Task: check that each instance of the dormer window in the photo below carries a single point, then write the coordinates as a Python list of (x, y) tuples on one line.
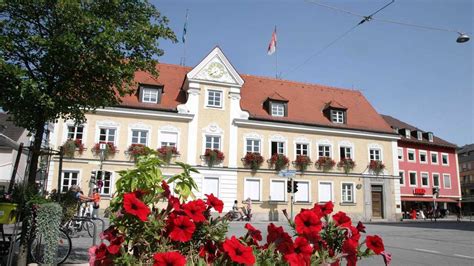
[(277, 109), (430, 136), (149, 94), (337, 116), (419, 134), (407, 133)]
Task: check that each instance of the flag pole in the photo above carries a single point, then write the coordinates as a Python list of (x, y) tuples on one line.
[(184, 38), (276, 56)]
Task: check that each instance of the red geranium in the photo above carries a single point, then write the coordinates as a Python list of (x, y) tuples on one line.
[(195, 210), (215, 203), (282, 239), (254, 233), (166, 188), (308, 224), (327, 208), (115, 245), (361, 227), (172, 258), (238, 252), (342, 219), (182, 228), (135, 207), (375, 243)]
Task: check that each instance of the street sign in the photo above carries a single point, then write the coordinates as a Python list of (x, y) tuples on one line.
[(287, 173)]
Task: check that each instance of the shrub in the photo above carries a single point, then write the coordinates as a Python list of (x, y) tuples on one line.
[(48, 218)]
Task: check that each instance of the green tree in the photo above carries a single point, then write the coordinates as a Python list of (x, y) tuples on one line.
[(62, 58)]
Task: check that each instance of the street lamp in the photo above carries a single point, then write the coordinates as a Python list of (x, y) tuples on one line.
[(462, 37)]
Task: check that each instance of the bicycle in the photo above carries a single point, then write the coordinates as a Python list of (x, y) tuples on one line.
[(81, 222)]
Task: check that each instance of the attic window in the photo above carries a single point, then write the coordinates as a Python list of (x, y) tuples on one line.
[(407, 133), (149, 94), (338, 116), (419, 134), (277, 109), (430, 136)]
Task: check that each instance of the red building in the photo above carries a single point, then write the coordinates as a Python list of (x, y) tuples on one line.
[(426, 162)]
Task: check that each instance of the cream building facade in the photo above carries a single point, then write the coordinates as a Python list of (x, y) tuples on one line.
[(213, 106)]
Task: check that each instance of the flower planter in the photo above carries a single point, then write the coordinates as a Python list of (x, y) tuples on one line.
[(137, 150), (278, 161), (347, 164), (213, 157), (7, 211), (376, 167), (110, 149), (253, 160), (302, 162), (325, 163), (71, 146), (167, 152)]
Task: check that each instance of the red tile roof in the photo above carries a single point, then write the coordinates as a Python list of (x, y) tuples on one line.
[(395, 123), (306, 102)]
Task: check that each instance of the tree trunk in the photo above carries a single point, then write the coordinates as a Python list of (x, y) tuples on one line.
[(35, 153)]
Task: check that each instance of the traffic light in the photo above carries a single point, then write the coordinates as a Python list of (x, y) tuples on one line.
[(289, 188), (295, 187), (436, 191)]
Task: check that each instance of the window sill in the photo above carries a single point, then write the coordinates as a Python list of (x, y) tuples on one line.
[(277, 202), (253, 202), (303, 203), (347, 204)]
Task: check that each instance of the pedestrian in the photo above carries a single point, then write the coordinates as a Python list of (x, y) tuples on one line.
[(96, 203), (458, 211)]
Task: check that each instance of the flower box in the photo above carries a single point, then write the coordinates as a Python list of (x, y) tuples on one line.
[(137, 150), (71, 146), (213, 157), (253, 160), (376, 167), (325, 163), (278, 161), (347, 164), (110, 149), (167, 152), (302, 162)]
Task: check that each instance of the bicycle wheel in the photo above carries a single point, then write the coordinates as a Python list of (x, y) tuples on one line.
[(37, 248), (89, 227)]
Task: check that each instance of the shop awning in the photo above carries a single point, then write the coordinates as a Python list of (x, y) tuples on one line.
[(426, 199)]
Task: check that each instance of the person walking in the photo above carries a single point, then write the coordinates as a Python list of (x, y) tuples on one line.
[(96, 203), (458, 211)]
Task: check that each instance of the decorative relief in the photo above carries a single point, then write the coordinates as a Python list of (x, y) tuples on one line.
[(213, 128), (325, 141), (107, 123), (169, 128), (277, 137), (346, 143), (302, 139), (139, 125), (375, 146), (252, 135)]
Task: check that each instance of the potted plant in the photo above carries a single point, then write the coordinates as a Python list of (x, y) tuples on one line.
[(110, 149), (137, 150), (253, 160), (167, 152), (325, 163), (278, 161), (213, 157), (376, 167), (70, 147), (302, 162), (347, 164)]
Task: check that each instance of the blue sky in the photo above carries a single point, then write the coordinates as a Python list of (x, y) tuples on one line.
[(422, 77)]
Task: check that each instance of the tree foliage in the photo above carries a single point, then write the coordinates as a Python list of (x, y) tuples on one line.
[(63, 58)]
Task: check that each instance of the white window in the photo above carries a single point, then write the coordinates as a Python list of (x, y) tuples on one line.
[(423, 157), (400, 154), (447, 181), (419, 135), (277, 190), (435, 180), (337, 116), (324, 150), (325, 191), (444, 158), (252, 189), (214, 98), (424, 179), (210, 186), (169, 139), (345, 152), (302, 149), (434, 157), (278, 147), (150, 95), (107, 184), (70, 178), (75, 132), (213, 142), (252, 145), (407, 133), (139, 137), (302, 195), (277, 109), (412, 179), (375, 155), (411, 155), (347, 193), (430, 137), (402, 177), (107, 134)]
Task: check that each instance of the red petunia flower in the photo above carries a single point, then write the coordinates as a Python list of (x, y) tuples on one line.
[(361, 227), (109, 234), (173, 203), (375, 243), (317, 210), (308, 224), (353, 233), (99, 256), (387, 257), (253, 232), (195, 210), (135, 207), (172, 258), (115, 245), (282, 240), (166, 189), (139, 193), (342, 219), (303, 247), (209, 252), (182, 228), (349, 246), (215, 203), (327, 208), (295, 259), (238, 252)]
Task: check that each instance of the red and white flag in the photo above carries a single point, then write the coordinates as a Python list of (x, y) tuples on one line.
[(273, 43)]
